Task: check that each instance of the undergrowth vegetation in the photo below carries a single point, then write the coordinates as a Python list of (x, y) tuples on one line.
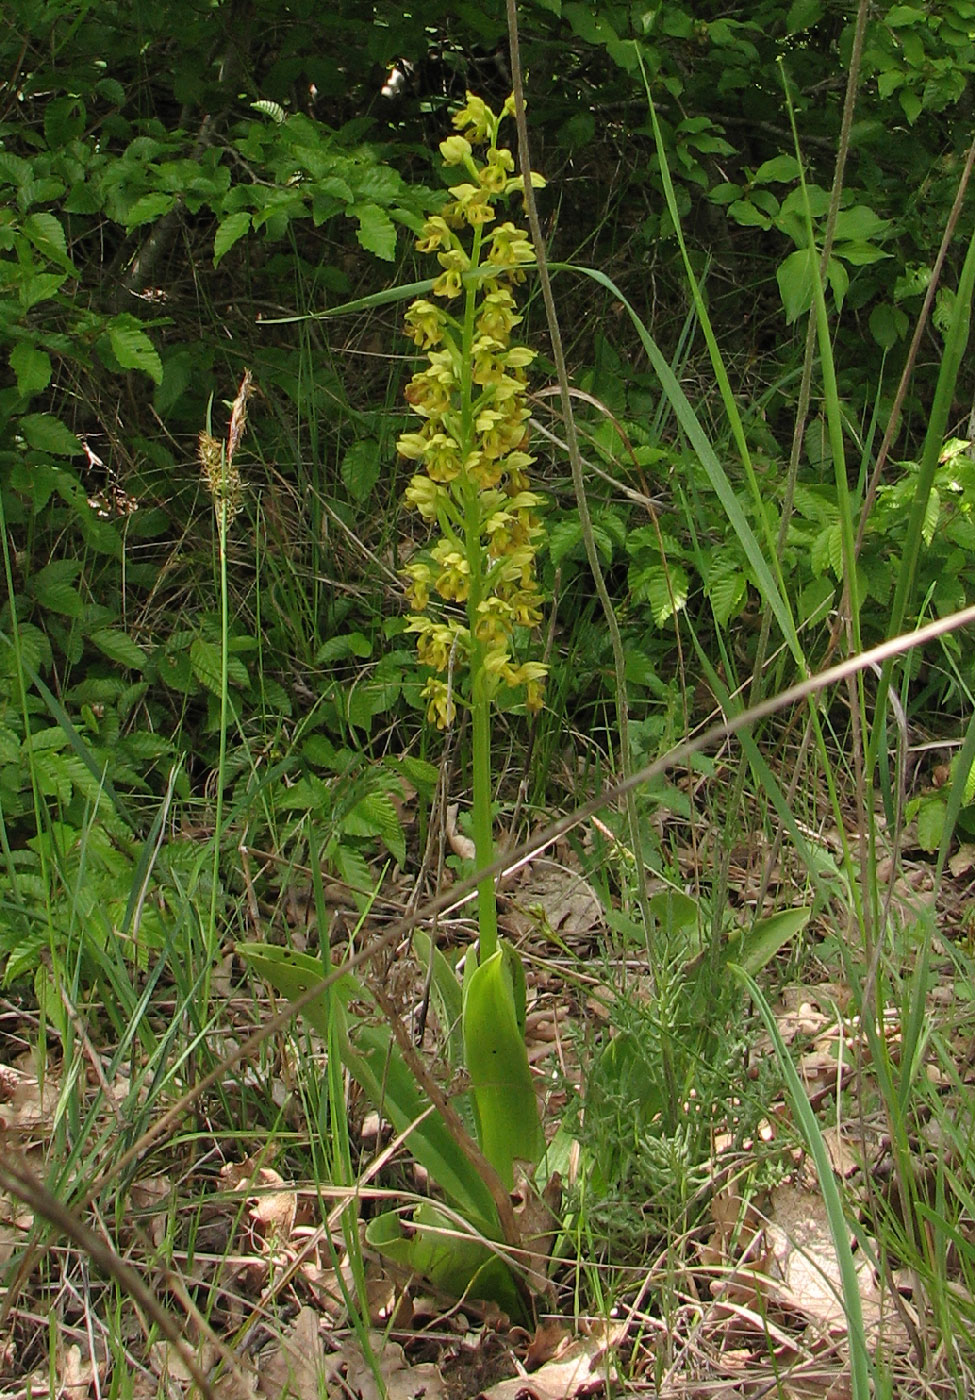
[(442, 881)]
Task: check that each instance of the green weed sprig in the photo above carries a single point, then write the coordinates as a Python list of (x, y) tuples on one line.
[(472, 464)]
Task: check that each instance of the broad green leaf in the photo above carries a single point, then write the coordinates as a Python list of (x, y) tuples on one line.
[(47, 235), (779, 170), (563, 537), (360, 468), (930, 822), (229, 230), (41, 286), (726, 588), (435, 1247), (743, 212), (754, 947), (147, 208), (61, 598), (46, 433), (795, 279), (355, 644), (32, 368), (674, 910), (119, 647), (372, 1057), (133, 349), (497, 1062), (803, 14), (375, 815), (448, 999), (376, 232), (205, 660)]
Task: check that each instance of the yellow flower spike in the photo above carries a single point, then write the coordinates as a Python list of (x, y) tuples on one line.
[(494, 176), (497, 316), (476, 119), (456, 150), (516, 185), (436, 235), (470, 205), (419, 577), (425, 496), (443, 460), (426, 324), (441, 709), (472, 467), (510, 247)]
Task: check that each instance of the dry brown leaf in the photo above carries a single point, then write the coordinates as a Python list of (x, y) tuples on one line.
[(352, 1371), (295, 1369), (273, 1212), (566, 900), (801, 1246), (581, 1369), (75, 1374), (962, 861), (843, 1159), (460, 844), (538, 1219), (147, 1198), (549, 1339)]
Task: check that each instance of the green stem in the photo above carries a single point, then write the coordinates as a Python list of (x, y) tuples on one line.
[(487, 911), (222, 524)]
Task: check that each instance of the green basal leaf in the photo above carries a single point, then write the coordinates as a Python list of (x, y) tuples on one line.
[(371, 1056), (497, 1062), (437, 1249)]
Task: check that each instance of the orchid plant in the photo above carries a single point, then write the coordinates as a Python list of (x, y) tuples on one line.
[(474, 598)]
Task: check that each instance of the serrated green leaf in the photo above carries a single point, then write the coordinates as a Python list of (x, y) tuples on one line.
[(133, 349), (350, 866), (563, 537), (58, 597), (147, 208), (119, 647), (205, 661), (360, 468), (375, 815), (376, 232), (228, 232), (32, 368), (46, 233), (45, 433), (337, 648), (726, 589), (930, 823), (274, 110)]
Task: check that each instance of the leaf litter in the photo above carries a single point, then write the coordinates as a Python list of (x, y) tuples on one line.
[(762, 1284)]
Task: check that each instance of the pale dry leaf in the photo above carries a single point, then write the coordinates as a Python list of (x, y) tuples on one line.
[(963, 860), (147, 1198), (460, 844), (401, 1381), (565, 899), (74, 1374), (581, 1369), (273, 1212), (295, 1369), (801, 1245), (538, 1217), (843, 1159)]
